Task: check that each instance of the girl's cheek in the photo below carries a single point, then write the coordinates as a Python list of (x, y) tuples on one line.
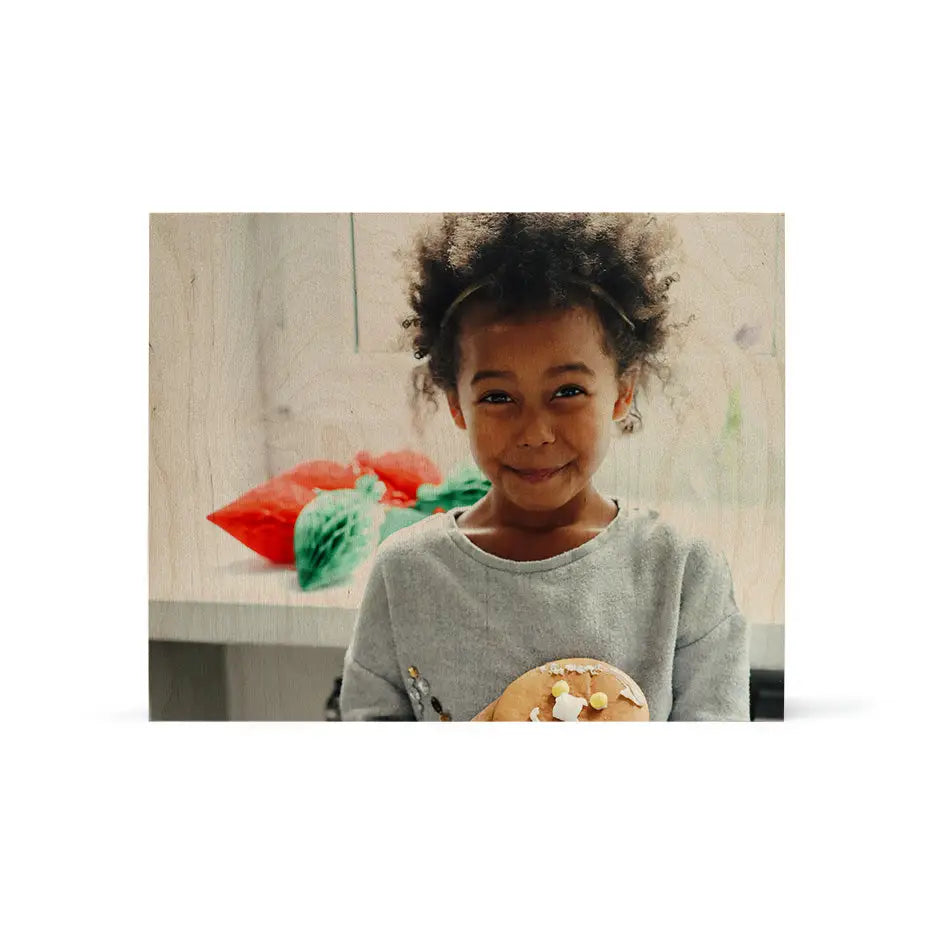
[(486, 433)]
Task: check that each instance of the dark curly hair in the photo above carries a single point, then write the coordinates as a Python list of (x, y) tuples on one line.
[(538, 261)]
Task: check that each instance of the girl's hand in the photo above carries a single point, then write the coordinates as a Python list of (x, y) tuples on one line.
[(486, 714)]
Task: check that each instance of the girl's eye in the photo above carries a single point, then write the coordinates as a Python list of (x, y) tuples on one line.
[(490, 398)]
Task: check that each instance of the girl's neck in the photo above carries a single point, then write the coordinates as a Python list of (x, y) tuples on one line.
[(587, 509)]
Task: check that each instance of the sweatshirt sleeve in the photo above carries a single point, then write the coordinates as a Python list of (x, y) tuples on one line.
[(372, 686), (710, 679)]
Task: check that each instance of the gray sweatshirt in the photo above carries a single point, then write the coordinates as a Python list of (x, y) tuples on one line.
[(638, 595)]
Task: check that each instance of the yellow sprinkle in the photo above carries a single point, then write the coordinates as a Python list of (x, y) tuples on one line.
[(561, 687), (599, 701)]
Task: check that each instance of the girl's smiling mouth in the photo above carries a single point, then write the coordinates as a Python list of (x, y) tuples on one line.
[(538, 475)]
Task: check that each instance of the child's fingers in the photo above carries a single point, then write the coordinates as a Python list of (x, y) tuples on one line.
[(486, 714)]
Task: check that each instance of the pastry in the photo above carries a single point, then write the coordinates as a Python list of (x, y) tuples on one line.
[(580, 690)]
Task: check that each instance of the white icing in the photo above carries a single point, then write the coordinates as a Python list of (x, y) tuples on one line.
[(577, 668), (568, 707), (634, 693), (534, 715)]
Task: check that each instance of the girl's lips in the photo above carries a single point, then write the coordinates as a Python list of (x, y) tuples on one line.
[(540, 475)]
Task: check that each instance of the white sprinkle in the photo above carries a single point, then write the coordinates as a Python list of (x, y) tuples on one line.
[(634, 694), (568, 707)]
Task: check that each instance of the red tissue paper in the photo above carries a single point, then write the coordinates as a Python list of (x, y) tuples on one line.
[(263, 518), (402, 473)]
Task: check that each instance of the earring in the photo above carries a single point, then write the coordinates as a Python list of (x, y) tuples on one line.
[(632, 420)]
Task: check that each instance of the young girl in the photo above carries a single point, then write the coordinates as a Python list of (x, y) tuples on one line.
[(537, 328)]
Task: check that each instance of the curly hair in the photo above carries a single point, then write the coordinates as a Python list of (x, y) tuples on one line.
[(538, 261)]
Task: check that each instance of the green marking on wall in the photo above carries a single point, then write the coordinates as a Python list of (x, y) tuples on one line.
[(734, 415), (351, 220)]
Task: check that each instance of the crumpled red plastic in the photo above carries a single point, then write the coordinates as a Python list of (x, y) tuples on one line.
[(402, 473), (263, 518)]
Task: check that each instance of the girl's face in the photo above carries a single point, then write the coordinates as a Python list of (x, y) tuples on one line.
[(537, 395)]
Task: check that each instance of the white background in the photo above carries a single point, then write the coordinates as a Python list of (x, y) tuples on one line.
[(821, 825)]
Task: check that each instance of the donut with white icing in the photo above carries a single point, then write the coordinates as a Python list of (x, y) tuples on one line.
[(532, 696)]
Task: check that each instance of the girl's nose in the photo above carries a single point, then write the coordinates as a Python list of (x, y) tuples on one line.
[(536, 429)]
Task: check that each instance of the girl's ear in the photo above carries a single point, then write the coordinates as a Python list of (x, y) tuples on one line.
[(455, 410), (626, 393)]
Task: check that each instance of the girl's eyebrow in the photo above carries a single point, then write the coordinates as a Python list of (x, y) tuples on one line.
[(553, 370)]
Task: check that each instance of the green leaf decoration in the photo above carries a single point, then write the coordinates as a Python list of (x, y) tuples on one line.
[(397, 518), (336, 532), (461, 488)]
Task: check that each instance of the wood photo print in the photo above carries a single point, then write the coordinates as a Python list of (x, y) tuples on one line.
[(502, 524)]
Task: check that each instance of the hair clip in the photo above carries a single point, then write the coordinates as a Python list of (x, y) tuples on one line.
[(462, 297), (601, 294), (597, 291)]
